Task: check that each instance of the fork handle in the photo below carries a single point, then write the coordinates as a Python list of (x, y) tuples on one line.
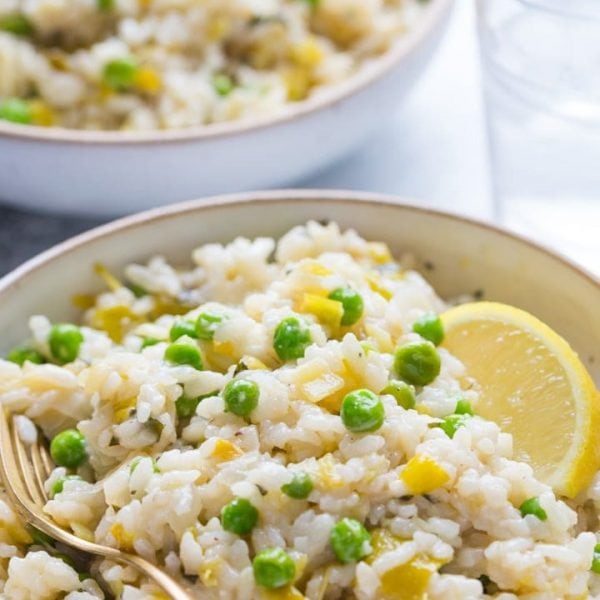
[(157, 575)]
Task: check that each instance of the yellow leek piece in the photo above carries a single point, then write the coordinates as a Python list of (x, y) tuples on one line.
[(285, 593), (324, 387), (253, 364), (314, 267), (105, 92), (147, 80), (382, 541), (163, 305), (226, 348), (42, 114), (327, 477), (316, 381), (123, 537), (83, 301), (225, 450), (408, 581), (116, 321), (307, 54), (375, 283), (379, 252), (329, 312), (16, 532), (208, 572), (297, 82), (58, 60), (110, 280), (381, 336), (217, 28), (122, 409), (333, 402), (422, 475)]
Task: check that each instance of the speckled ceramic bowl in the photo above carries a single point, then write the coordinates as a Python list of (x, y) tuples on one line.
[(456, 254)]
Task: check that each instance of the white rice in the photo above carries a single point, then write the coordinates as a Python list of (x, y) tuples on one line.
[(445, 543), (194, 62)]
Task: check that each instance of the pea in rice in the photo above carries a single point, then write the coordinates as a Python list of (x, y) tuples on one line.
[(241, 437), (154, 64)]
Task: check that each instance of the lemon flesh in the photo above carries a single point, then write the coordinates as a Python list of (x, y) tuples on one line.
[(533, 385)]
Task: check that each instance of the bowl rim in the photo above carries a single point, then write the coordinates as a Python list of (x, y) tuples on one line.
[(19, 275), (328, 98)]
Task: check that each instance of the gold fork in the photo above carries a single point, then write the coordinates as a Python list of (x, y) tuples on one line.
[(24, 469)]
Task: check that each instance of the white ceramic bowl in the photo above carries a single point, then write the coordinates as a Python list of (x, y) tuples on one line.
[(101, 173), (457, 255)]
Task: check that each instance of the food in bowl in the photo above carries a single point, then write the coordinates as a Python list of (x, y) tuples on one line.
[(143, 65), (281, 420)]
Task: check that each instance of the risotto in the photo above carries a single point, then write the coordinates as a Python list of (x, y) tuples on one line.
[(279, 422), (153, 64)]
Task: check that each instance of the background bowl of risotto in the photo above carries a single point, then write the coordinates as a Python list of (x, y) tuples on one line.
[(120, 106)]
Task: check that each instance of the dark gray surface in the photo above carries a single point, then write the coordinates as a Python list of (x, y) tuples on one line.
[(25, 234)]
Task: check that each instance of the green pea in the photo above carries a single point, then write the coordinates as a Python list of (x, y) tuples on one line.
[(291, 338), (17, 24), (430, 327), (15, 111), (349, 540), (273, 568), (182, 327), (417, 363), (22, 355), (596, 559), (239, 516), (68, 449), (59, 484), (241, 397), (40, 538), (222, 84), (362, 411), (299, 487), (452, 423), (186, 406), (403, 393), (106, 5), (136, 461), (137, 290), (149, 341), (65, 340), (120, 73), (532, 506), (206, 326), (180, 353), (463, 407), (351, 301), (68, 560)]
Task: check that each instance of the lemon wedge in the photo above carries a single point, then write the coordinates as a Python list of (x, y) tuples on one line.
[(533, 385)]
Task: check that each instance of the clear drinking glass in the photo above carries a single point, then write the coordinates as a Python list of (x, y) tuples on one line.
[(541, 76)]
